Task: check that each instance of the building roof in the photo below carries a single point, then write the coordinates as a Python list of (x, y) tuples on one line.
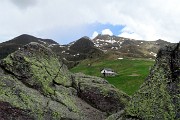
[(108, 69)]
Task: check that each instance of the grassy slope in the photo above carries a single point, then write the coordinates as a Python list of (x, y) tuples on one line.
[(131, 72)]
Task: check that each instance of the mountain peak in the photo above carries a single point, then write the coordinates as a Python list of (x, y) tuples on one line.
[(25, 35), (82, 44), (19, 41), (85, 37)]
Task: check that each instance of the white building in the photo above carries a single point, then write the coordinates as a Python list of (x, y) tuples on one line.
[(108, 72)]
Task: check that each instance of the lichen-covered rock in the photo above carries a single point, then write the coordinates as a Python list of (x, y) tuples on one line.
[(34, 84), (97, 92), (9, 112), (37, 67), (159, 96)]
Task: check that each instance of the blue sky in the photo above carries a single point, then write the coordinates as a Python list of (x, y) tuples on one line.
[(67, 20), (75, 34)]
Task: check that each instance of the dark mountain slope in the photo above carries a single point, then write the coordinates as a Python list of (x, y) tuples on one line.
[(76, 51), (82, 45), (85, 47), (12, 45), (25, 39)]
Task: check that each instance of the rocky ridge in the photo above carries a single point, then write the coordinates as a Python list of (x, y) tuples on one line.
[(34, 84), (125, 47), (103, 45)]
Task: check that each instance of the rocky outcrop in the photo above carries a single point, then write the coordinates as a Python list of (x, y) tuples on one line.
[(159, 96), (34, 84), (99, 93)]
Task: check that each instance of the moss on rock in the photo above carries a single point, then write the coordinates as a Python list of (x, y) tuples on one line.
[(158, 97), (97, 92)]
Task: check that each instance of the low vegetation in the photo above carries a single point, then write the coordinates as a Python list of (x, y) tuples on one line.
[(131, 72)]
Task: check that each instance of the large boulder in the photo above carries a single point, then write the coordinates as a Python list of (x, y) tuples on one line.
[(34, 84), (159, 96), (99, 93)]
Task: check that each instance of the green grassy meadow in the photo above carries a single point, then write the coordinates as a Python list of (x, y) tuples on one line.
[(131, 72)]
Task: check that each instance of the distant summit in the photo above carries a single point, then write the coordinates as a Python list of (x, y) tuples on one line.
[(17, 42), (81, 49), (83, 45), (25, 39)]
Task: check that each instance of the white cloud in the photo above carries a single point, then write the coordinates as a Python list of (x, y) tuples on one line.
[(107, 32), (146, 19), (130, 35), (95, 33), (23, 4)]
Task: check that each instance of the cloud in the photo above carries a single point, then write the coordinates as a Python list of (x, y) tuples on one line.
[(130, 35), (23, 4), (107, 32), (94, 34), (149, 20)]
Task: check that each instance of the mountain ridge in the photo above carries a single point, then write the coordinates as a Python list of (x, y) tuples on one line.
[(83, 48), (129, 47)]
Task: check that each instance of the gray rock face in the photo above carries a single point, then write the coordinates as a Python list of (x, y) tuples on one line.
[(159, 96), (34, 84), (99, 93)]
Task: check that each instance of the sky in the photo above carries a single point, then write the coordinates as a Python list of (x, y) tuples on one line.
[(68, 20)]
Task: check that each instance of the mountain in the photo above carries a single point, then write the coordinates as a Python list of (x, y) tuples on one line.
[(12, 45), (71, 54), (82, 45), (125, 47), (83, 48), (35, 85), (76, 51)]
